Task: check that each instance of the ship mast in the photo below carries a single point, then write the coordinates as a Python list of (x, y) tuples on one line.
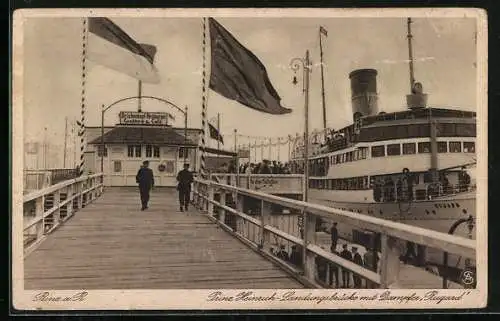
[(416, 91), (410, 54)]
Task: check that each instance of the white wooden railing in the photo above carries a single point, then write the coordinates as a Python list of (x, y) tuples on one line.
[(393, 235), (44, 210)]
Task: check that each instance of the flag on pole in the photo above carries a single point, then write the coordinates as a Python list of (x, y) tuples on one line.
[(323, 31), (237, 74), (215, 134), (110, 46)]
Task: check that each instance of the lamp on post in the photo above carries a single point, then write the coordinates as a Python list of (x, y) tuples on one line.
[(295, 65)]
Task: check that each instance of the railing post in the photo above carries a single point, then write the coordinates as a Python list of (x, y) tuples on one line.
[(222, 212), (79, 192), (57, 212), (40, 226), (309, 238), (265, 214), (389, 262), (69, 205), (210, 205)]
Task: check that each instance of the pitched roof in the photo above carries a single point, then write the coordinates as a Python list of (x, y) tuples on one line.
[(143, 135)]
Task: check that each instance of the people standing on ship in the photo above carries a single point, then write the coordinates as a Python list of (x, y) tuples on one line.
[(463, 180), (334, 234), (146, 181), (356, 258), (334, 271), (283, 254), (184, 178), (249, 169), (370, 259), (264, 169), (388, 190), (346, 275), (296, 256), (407, 180), (377, 191)]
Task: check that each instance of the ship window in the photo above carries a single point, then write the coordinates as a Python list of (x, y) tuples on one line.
[(393, 149), (455, 147), (469, 147), (364, 151), (378, 151), (409, 148), (156, 151), (442, 147), (149, 150), (424, 147), (467, 130)]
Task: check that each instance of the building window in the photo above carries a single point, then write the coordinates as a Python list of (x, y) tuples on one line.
[(393, 149), (183, 152), (442, 147), (117, 166), (409, 148), (455, 147), (134, 150), (469, 147), (424, 147), (378, 151), (100, 150)]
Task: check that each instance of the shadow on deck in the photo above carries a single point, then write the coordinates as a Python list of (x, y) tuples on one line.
[(111, 244)]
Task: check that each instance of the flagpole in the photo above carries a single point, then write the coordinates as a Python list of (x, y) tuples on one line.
[(296, 63), (65, 140), (81, 132), (139, 95), (322, 78), (204, 100), (218, 133)]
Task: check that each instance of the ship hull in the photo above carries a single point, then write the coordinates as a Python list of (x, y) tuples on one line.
[(438, 214)]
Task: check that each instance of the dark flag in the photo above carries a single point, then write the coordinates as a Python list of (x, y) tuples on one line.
[(323, 31), (237, 74), (112, 47), (214, 133)]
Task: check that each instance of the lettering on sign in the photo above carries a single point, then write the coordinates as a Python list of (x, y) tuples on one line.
[(144, 118), (260, 183)]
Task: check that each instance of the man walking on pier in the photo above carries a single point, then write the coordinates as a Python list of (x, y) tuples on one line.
[(146, 181), (185, 178), (346, 276)]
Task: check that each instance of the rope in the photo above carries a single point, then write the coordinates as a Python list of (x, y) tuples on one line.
[(203, 101), (81, 133)]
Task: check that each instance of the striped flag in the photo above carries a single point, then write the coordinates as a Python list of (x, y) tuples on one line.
[(323, 31), (110, 46)]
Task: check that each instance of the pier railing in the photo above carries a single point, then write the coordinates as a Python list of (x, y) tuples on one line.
[(45, 209), (310, 260)]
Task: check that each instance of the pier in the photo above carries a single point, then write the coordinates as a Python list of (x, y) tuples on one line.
[(80, 234)]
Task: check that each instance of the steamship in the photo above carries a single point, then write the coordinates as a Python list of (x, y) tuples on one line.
[(415, 166), (386, 164)]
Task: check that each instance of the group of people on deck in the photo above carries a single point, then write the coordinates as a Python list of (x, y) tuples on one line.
[(264, 167), (145, 179), (369, 261)]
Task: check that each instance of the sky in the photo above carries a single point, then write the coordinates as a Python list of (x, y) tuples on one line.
[(443, 48)]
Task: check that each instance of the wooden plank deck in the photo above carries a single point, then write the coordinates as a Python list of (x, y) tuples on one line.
[(111, 244)]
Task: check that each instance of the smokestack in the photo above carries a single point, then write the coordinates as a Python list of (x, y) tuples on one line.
[(364, 96)]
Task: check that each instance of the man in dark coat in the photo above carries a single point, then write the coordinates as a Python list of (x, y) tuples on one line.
[(146, 181), (356, 258), (185, 178), (334, 233), (346, 275)]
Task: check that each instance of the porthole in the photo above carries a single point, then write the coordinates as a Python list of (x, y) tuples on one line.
[(434, 212), (458, 205), (436, 205), (427, 212)]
